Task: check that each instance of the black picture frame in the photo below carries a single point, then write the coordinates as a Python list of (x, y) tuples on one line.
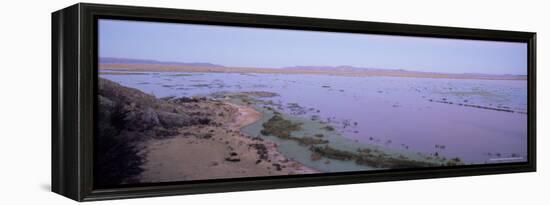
[(74, 77)]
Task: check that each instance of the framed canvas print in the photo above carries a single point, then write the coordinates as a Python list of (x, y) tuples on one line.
[(154, 102)]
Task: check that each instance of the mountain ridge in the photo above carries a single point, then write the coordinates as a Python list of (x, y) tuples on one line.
[(112, 60), (339, 68)]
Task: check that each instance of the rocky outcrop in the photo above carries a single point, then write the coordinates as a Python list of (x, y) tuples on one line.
[(126, 117), (128, 109)]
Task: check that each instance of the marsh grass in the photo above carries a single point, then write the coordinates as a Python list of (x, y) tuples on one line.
[(282, 128), (376, 158)]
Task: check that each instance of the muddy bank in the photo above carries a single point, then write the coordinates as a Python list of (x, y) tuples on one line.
[(145, 139)]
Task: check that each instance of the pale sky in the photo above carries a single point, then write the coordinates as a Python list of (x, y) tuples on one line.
[(261, 47)]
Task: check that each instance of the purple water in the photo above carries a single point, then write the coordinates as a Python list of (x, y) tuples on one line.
[(388, 111)]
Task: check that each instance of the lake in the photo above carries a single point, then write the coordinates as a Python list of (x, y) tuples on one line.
[(479, 121)]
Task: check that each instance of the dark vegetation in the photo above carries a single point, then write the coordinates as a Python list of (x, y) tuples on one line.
[(377, 159), (501, 109), (328, 128), (282, 128)]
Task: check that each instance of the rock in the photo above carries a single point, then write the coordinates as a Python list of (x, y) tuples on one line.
[(134, 119), (230, 159), (185, 100), (261, 150), (162, 133), (172, 120), (277, 166), (168, 98), (204, 121), (106, 103), (258, 138), (206, 136)]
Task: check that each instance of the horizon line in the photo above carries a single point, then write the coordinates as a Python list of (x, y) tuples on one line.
[(168, 62)]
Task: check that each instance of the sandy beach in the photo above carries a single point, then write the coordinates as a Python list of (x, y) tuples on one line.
[(189, 138), (221, 152)]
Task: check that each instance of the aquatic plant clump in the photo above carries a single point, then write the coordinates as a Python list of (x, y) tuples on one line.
[(282, 128), (376, 158), (333, 153)]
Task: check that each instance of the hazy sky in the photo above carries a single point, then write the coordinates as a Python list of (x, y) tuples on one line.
[(256, 47)]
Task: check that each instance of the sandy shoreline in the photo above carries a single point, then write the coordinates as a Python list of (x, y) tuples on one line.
[(245, 116), (144, 139), (226, 153), (350, 73)]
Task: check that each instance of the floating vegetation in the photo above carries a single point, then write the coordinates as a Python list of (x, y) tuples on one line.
[(315, 117), (469, 93), (248, 98), (454, 161), (182, 75), (296, 109), (262, 94), (329, 128), (282, 128), (308, 140), (248, 74), (377, 159), (478, 106), (332, 153), (202, 85), (315, 157)]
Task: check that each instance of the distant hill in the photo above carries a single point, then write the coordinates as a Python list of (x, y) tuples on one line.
[(338, 68), (347, 68), (109, 60)]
